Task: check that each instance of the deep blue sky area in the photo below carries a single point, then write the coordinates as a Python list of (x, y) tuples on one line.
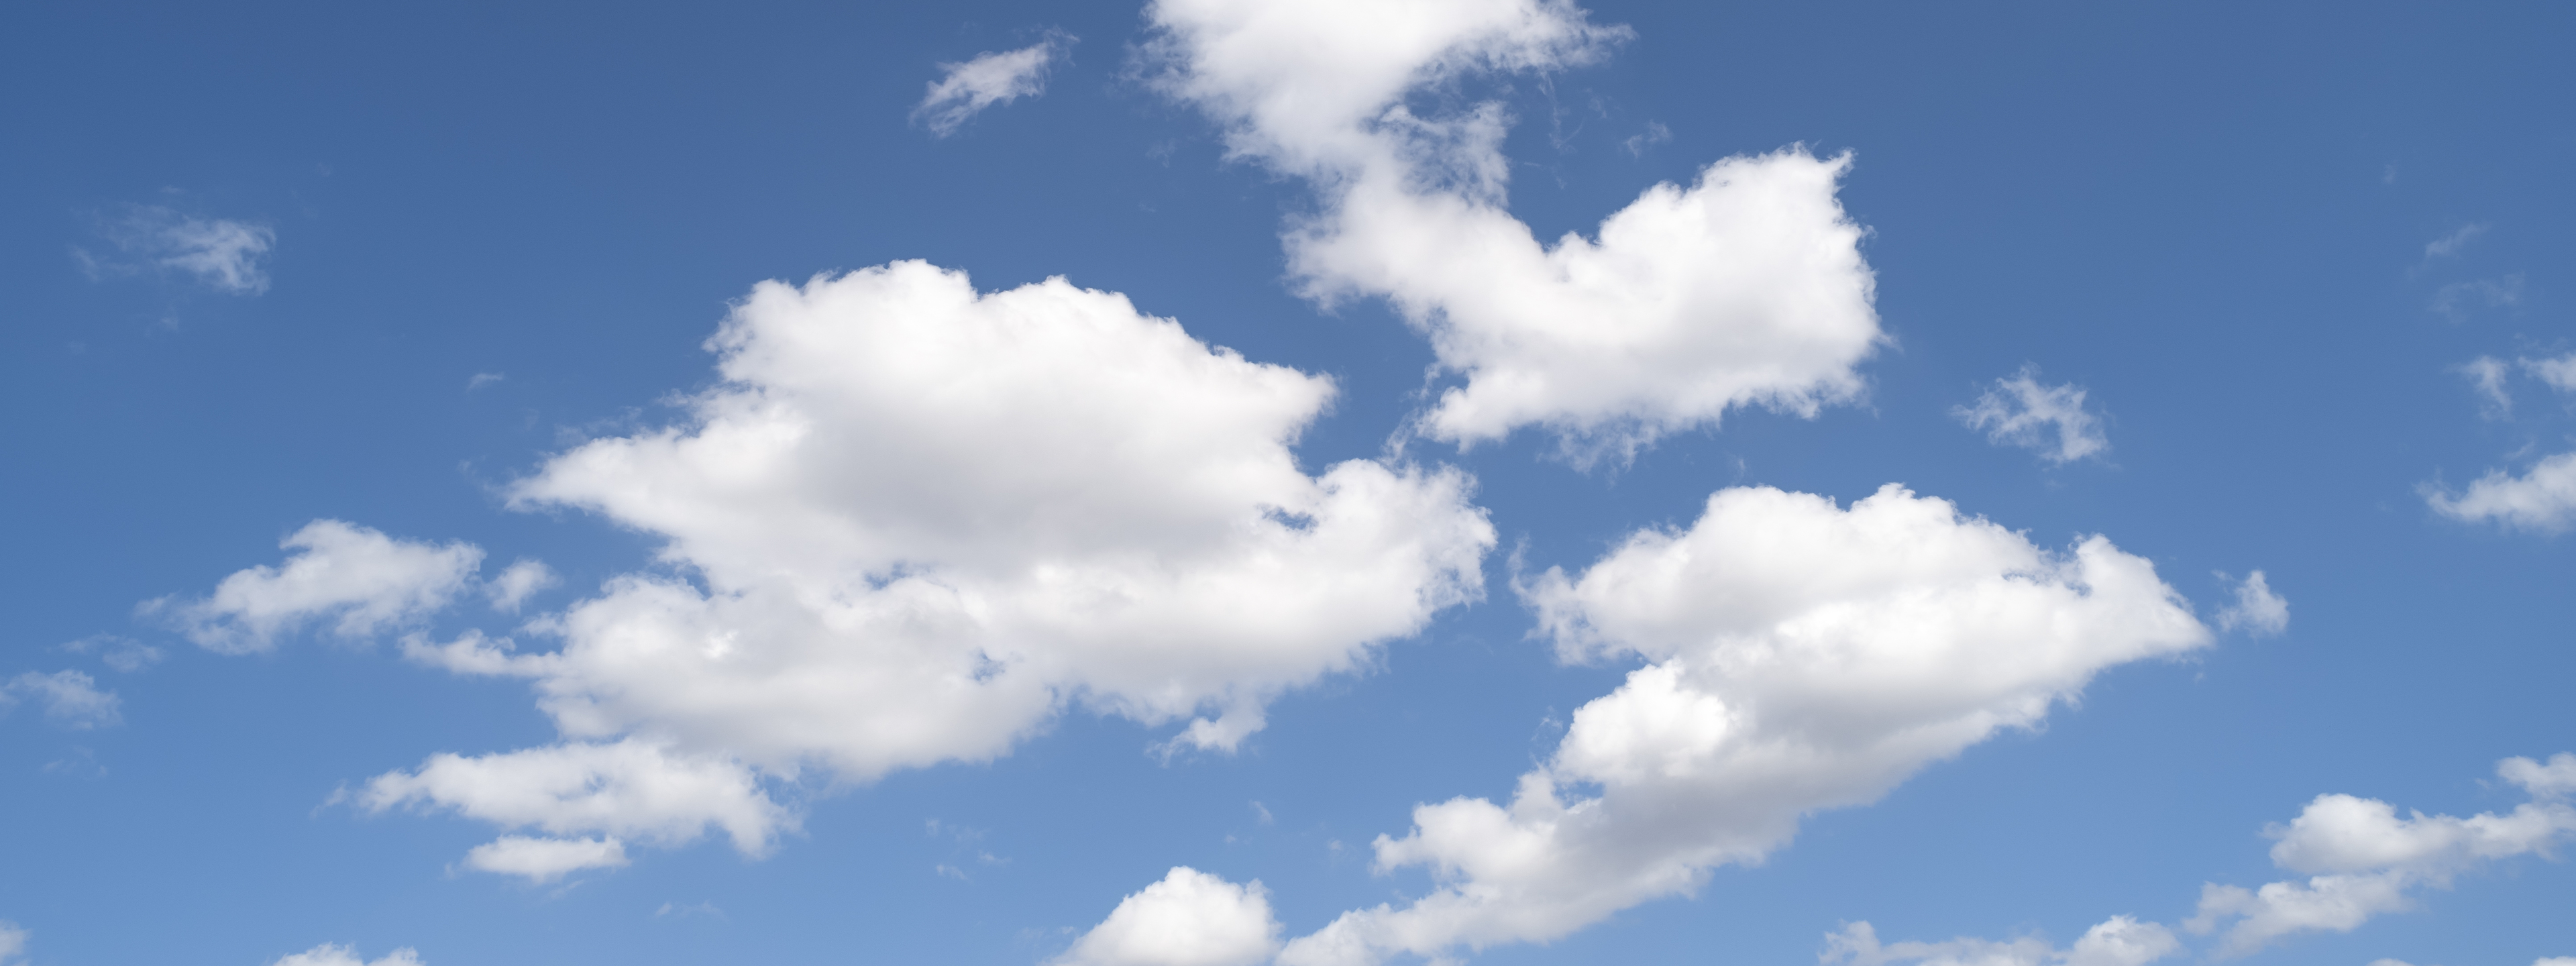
[(2213, 219)]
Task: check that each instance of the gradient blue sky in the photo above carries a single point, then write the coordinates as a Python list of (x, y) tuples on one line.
[(2269, 245)]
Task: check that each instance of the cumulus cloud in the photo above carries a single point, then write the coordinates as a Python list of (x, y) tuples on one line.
[(2118, 941), (991, 78), (225, 255), (72, 699), (2559, 373), (2018, 411), (1802, 656), (2363, 859), (924, 520), (361, 580), (334, 954), (544, 859), (2541, 499), (13, 943), (2486, 374), (2257, 608), (519, 581), (1744, 288), (1190, 918)]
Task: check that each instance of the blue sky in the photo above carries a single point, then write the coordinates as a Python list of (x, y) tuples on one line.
[(496, 484)]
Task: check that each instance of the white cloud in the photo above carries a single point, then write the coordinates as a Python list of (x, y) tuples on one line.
[(545, 859), (630, 789), (2559, 373), (2456, 300), (2543, 499), (2487, 374), (2555, 961), (1190, 918), (72, 699), (1745, 288), (2364, 860), (1654, 134), (122, 654), (482, 379), (2257, 608), (2018, 411), (13, 943), (1804, 656), (220, 253), (517, 583), (927, 520), (368, 581), (333, 954), (2449, 245), (2118, 941), (989, 79)]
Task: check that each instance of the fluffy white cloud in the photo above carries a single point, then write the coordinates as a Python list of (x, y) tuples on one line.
[(1746, 287), (2542, 499), (1803, 656), (1191, 918), (519, 581), (2018, 411), (926, 521), (2256, 609), (630, 789), (2118, 941), (334, 954), (223, 254), (989, 79), (368, 581), (2363, 859), (2559, 373), (72, 699), (544, 859), (2486, 374)]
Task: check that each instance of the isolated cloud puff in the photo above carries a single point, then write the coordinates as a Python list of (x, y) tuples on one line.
[(2542, 498), (2118, 941), (13, 943), (334, 954), (2256, 609), (1801, 656), (223, 254), (360, 579), (1744, 288), (543, 859), (2558, 373), (2486, 374), (2019, 411), (1190, 918), (518, 582), (928, 519), (2363, 859), (965, 89), (72, 699)]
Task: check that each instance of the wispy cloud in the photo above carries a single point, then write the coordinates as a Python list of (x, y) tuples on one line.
[(2018, 411), (2487, 374), (2456, 300), (223, 254), (2450, 245), (989, 79)]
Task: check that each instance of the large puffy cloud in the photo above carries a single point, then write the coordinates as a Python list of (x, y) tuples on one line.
[(1190, 918), (1746, 287), (2363, 859), (2118, 941), (914, 522), (2542, 499), (361, 580), (1801, 656)]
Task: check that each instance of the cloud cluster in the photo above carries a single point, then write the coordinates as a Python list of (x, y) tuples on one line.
[(2018, 411), (2363, 859), (2117, 941), (1744, 288), (72, 699), (1801, 656), (223, 254), (1190, 918), (966, 89), (912, 524)]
